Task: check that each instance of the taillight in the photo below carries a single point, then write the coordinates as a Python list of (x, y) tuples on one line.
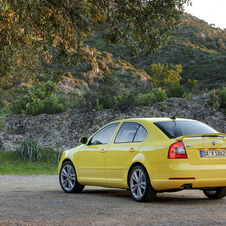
[(177, 151)]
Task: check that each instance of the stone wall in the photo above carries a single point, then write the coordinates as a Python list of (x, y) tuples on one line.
[(62, 131)]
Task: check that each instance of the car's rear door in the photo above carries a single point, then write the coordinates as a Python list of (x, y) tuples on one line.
[(121, 151)]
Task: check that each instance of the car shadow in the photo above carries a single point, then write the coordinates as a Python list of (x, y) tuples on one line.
[(175, 198)]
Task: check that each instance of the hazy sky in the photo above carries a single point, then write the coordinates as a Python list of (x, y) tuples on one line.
[(212, 11)]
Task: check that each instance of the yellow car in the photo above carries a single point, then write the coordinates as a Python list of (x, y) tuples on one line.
[(147, 156)]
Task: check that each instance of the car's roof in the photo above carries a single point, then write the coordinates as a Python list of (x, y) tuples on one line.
[(153, 119)]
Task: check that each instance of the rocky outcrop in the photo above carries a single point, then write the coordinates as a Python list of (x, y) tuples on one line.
[(62, 131)]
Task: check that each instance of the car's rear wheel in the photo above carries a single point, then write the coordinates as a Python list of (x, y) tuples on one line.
[(217, 193), (140, 186), (68, 178)]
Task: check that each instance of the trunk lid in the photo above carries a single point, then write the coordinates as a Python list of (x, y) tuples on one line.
[(204, 149)]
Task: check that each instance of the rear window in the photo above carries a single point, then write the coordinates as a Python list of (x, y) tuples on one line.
[(174, 129)]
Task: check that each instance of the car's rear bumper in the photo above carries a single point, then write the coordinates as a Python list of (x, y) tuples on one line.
[(175, 175)]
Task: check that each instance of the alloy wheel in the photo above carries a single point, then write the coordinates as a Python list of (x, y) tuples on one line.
[(138, 184), (68, 177)]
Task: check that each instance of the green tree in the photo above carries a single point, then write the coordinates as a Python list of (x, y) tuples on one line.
[(192, 84), (58, 28), (165, 75)]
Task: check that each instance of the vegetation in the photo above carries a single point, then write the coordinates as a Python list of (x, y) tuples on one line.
[(53, 30), (196, 45), (30, 150), (13, 163), (217, 99), (164, 75), (31, 158), (37, 99)]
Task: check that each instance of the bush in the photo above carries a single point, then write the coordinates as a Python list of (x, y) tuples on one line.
[(176, 91), (217, 99), (187, 96), (30, 150), (106, 99), (2, 104), (157, 95), (37, 99), (126, 99), (53, 104), (101, 65), (108, 79), (51, 156), (107, 56)]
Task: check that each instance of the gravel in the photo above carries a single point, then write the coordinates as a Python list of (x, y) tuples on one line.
[(39, 200)]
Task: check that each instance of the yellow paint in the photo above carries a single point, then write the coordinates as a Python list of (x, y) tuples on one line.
[(109, 164)]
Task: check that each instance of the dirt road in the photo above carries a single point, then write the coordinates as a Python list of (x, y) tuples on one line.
[(39, 200)]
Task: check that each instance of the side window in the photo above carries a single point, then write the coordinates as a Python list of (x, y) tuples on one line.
[(104, 136), (140, 135), (126, 132)]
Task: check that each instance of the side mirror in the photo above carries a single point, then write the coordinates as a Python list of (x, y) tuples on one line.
[(83, 140)]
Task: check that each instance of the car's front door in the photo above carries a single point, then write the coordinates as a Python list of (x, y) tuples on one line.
[(122, 150), (91, 162)]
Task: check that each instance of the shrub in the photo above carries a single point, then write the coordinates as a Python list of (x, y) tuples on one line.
[(68, 74), (164, 106), (108, 79), (105, 98), (2, 104), (37, 99), (126, 99), (107, 56), (156, 95), (53, 104), (192, 84), (83, 74), (30, 150), (176, 91), (1, 121), (217, 99), (187, 96), (52, 156), (98, 106), (101, 65)]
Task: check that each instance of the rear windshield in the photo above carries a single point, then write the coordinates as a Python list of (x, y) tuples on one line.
[(174, 129)]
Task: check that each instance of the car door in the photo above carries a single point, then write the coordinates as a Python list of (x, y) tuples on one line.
[(91, 164), (122, 150)]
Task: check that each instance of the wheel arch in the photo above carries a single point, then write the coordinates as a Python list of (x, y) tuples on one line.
[(67, 160)]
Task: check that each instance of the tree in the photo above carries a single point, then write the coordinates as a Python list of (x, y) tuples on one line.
[(32, 29), (164, 76)]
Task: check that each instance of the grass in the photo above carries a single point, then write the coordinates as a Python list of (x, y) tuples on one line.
[(13, 163)]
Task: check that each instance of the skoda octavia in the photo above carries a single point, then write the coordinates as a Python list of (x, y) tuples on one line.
[(147, 156)]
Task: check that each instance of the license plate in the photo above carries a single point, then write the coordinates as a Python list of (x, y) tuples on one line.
[(219, 153)]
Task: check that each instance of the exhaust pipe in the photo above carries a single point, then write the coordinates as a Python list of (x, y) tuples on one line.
[(186, 186)]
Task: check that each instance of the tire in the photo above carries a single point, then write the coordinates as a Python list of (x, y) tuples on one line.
[(217, 193), (140, 186), (68, 178)]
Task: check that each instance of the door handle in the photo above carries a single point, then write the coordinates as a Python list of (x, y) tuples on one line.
[(131, 150), (102, 151)]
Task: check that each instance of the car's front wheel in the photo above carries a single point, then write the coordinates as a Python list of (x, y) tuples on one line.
[(140, 186), (68, 178), (217, 193)]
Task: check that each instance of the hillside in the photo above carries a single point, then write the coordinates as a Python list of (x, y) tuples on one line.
[(118, 80), (196, 45)]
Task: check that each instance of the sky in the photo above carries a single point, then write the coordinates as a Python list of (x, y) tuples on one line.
[(212, 11)]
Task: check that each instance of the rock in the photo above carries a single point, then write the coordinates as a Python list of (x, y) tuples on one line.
[(62, 131)]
